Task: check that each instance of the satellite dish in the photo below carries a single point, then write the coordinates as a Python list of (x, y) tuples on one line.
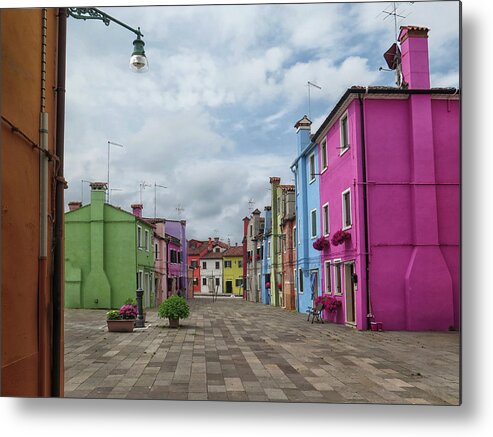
[(393, 56)]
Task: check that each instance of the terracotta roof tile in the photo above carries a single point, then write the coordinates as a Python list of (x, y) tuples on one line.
[(234, 251)]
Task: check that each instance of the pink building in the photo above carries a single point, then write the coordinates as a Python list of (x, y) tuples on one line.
[(160, 259), (390, 182), (174, 262)]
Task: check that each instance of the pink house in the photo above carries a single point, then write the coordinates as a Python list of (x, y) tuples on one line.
[(174, 262), (390, 182)]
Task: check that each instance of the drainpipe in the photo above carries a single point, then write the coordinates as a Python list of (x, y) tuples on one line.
[(56, 375), (365, 209)]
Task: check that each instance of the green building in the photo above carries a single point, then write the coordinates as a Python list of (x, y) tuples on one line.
[(108, 254)]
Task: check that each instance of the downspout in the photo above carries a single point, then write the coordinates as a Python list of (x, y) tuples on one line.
[(43, 335), (365, 210), (56, 375)]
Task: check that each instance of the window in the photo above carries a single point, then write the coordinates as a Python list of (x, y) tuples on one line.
[(278, 205), (314, 223), (217, 265), (217, 250), (337, 277), (172, 256), (156, 251), (251, 230), (298, 232), (323, 152), (325, 219), (139, 237), (217, 282), (204, 281), (194, 264), (312, 167), (227, 264), (268, 250), (294, 236), (294, 280), (139, 279), (300, 280), (344, 134), (240, 263), (239, 282), (346, 209), (328, 278), (204, 265), (195, 281), (146, 240)]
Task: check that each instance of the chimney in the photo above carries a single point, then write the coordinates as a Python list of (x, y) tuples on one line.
[(98, 192), (72, 206), (216, 239), (303, 131), (137, 209), (414, 57)]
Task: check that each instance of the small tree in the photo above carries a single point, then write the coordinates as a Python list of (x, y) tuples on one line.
[(174, 308)]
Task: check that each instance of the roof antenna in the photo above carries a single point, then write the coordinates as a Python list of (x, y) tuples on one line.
[(308, 84), (179, 210), (393, 55), (251, 202)]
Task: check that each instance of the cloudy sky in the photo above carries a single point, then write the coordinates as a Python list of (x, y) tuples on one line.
[(213, 118)]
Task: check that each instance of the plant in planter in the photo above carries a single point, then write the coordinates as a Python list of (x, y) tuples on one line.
[(340, 237), (321, 243), (174, 308), (122, 320)]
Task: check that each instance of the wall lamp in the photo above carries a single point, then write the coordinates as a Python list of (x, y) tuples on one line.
[(138, 60)]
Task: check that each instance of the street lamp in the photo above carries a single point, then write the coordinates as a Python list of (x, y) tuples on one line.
[(138, 60)]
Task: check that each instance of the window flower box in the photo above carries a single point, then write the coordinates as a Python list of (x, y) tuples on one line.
[(340, 237)]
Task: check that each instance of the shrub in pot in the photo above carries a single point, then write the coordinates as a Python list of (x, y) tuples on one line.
[(174, 309)]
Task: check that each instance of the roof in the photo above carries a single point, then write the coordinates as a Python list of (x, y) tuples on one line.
[(172, 239), (212, 255), (233, 251), (197, 250), (287, 187)]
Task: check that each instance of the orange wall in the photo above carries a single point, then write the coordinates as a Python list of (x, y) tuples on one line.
[(25, 299)]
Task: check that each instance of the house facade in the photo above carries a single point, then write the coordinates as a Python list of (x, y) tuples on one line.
[(160, 259), (305, 169), (287, 223), (211, 271), (390, 200), (277, 298), (266, 256), (196, 249), (233, 270), (174, 265), (254, 245), (177, 229), (109, 253)]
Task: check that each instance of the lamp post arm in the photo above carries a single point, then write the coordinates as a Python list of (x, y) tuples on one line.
[(97, 14)]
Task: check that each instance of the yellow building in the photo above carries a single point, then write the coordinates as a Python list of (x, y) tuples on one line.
[(233, 271)]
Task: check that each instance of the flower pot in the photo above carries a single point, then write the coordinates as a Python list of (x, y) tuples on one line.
[(376, 326), (174, 323), (126, 325)]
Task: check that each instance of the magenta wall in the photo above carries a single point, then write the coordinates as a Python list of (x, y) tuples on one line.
[(174, 269), (413, 229)]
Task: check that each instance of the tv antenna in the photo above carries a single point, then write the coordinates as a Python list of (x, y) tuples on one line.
[(179, 209), (155, 197), (309, 84), (393, 55), (142, 186), (251, 202)]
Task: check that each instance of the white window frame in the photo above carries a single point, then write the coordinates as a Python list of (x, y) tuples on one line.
[(217, 265), (325, 219), (328, 277), (204, 281), (139, 237), (344, 226), (337, 263), (312, 236), (226, 262), (343, 150), (294, 280), (204, 265), (323, 154), (310, 160)]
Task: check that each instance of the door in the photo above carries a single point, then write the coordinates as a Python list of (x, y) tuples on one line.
[(147, 291), (229, 286), (314, 285), (350, 292)]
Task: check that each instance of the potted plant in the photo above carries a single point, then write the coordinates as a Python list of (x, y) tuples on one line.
[(122, 320), (174, 309), (340, 237)]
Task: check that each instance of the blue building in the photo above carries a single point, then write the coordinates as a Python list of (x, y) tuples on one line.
[(266, 258), (305, 169)]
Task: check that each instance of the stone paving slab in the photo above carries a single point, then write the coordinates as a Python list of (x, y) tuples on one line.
[(231, 350)]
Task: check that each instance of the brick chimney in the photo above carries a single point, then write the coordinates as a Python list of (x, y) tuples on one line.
[(72, 206), (414, 57), (137, 209)]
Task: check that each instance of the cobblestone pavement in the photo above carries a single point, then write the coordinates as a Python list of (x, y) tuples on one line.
[(240, 351)]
